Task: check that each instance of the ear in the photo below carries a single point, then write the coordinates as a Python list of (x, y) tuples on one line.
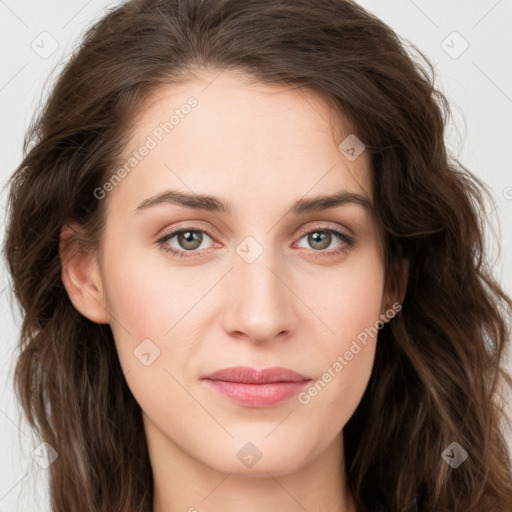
[(402, 271), (81, 276)]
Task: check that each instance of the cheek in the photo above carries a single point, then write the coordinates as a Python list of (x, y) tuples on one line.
[(143, 307), (145, 295), (343, 375), (151, 305), (349, 299), (351, 306)]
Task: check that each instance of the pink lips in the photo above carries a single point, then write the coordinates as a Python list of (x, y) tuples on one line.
[(254, 388)]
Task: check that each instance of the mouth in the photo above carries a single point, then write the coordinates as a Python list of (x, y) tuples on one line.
[(256, 388)]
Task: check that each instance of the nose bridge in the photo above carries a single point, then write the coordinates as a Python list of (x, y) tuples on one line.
[(261, 306)]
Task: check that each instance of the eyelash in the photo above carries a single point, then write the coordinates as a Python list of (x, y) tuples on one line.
[(347, 240)]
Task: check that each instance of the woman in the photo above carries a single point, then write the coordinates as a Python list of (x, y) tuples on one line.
[(252, 278)]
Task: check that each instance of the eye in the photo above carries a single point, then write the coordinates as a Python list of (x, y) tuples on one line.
[(321, 238), (188, 240)]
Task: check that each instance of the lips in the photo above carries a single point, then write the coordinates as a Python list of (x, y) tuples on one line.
[(256, 388), (246, 375)]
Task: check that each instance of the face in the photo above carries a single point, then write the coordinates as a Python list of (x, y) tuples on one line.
[(259, 274)]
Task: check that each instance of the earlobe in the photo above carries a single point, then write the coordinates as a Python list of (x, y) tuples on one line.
[(81, 277), (398, 296), (404, 273)]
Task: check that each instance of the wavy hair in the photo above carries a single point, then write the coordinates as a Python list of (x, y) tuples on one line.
[(437, 371)]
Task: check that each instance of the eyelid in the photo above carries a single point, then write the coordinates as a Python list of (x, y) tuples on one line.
[(190, 225), (318, 225), (323, 226)]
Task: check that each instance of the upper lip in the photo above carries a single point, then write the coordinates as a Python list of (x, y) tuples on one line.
[(247, 375)]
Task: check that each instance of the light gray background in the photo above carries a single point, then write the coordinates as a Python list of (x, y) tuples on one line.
[(477, 81)]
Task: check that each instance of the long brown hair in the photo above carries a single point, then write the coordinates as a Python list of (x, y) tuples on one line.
[(437, 370)]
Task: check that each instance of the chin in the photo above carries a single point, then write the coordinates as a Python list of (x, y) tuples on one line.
[(258, 458)]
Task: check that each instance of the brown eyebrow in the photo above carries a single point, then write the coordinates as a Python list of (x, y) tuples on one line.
[(214, 204)]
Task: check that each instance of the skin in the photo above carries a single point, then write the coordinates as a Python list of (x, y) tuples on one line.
[(260, 148)]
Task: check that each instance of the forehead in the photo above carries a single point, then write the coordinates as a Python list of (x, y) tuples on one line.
[(220, 133)]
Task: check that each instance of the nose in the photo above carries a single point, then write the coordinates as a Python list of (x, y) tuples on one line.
[(261, 305)]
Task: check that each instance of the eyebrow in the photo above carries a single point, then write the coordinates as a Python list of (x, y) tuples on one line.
[(214, 204)]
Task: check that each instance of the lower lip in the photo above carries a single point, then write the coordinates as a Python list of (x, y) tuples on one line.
[(257, 395)]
